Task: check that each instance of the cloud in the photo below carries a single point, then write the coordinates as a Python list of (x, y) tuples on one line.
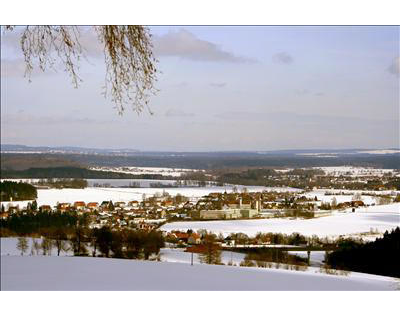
[(394, 68), (177, 113), (187, 46), (218, 84), (282, 58)]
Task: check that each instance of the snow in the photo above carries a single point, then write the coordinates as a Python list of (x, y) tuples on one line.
[(353, 171), (179, 255), (316, 257), (174, 172), (9, 247), (380, 151), (78, 273), (381, 218), (347, 196)]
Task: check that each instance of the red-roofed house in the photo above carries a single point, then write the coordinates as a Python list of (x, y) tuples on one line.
[(79, 205), (93, 206)]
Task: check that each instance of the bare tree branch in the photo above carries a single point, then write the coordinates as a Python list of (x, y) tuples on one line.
[(128, 54)]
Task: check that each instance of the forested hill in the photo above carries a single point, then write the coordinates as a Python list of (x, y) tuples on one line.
[(199, 160), (72, 172)]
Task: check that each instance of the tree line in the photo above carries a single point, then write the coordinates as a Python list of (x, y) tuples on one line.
[(378, 257), (103, 242), (66, 231), (17, 191), (39, 222), (64, 183)]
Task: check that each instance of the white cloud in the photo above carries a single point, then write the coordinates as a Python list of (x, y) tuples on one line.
[(186, 45), (282, 58)]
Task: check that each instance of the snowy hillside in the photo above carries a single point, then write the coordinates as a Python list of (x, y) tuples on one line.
[(77, 273)]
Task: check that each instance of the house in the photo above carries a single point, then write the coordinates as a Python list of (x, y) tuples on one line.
[(4, 215), (181, 236), (120, 204), (79, 205), (244, 204), (93, 206), (167, 203), (63, 206), (188, 205), (229, 242), (107, 205), (13, 209), (220, 214), (194, 239), (248, 212), (145, 226), (232, 204), (133, 203), (45, 208)]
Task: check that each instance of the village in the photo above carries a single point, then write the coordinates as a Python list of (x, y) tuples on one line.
[(153, 211)]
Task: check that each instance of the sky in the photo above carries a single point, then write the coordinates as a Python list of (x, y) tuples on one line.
[(220, 88)]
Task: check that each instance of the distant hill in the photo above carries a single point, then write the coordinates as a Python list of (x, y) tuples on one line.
[(19, 157), (12, 148), (72, 172), (26, 161)]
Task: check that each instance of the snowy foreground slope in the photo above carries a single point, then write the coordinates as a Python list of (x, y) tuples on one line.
[(74, 273), (381, 218)]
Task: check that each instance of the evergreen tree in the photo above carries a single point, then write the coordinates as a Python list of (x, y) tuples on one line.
[(104, 239)]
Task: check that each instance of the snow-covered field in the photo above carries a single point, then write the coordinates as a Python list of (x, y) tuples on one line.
[(9, 248), (77, 273), (174, 172), (381, 218), (179, 255), (353, 171), (347, 195), (380, 151)]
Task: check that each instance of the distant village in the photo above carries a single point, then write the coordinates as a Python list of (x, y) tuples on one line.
[(155, 210)]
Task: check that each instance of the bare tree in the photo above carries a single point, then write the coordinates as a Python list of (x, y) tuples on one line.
[(60, 241), (212, 250), (47, 246), (357, 197), (36, 247), (22, 245), (334, 202), (128, 54)]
